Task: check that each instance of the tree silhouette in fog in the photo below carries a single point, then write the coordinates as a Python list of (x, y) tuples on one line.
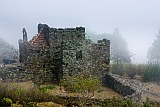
[(154, 51)]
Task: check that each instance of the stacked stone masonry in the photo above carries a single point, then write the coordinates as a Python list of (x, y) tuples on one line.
[(56, 53)]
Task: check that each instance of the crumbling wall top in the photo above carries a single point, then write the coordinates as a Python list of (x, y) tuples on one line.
[(80, 29)]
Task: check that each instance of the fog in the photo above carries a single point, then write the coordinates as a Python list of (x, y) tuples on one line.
[(137, 20)]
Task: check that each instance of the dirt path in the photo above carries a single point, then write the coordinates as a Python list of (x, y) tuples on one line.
[(152, 92)]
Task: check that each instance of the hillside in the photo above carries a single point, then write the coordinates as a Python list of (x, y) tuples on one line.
[(7, 51)]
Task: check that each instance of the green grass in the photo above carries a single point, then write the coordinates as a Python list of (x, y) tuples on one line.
[(45, 88)]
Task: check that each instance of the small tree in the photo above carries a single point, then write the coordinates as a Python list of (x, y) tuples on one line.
[(83, 84), (153, 52)]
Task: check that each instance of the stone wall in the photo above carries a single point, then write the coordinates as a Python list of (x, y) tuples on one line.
[(55, 53), (14, 73), (101, 57), (133, 89), (114, 82), (64, 45)]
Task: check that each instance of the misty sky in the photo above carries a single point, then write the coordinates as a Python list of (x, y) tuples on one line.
[(137, 20)]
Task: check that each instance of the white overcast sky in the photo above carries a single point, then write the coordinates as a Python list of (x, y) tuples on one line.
[(137, 20)]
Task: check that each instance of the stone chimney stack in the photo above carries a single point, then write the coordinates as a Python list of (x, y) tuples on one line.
[(25, 39)]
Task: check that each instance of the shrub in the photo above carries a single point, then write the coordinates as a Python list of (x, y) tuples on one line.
[(117, 68), (6, 102), (83, 84), (151, 72), (45, 88), (124, 68), (140, 69), (29, 104), (130, 70), (115, 102), (8, 90)]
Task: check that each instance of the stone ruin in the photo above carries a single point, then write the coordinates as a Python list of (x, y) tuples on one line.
[(55, 53)]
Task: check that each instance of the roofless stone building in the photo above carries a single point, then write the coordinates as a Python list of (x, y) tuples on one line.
[(55, 53)]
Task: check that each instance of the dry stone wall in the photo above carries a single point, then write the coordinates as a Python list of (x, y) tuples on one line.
[(129, 88), (118, 85)]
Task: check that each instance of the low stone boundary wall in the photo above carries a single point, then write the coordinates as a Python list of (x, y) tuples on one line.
[(117, 84), (76, 101)]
